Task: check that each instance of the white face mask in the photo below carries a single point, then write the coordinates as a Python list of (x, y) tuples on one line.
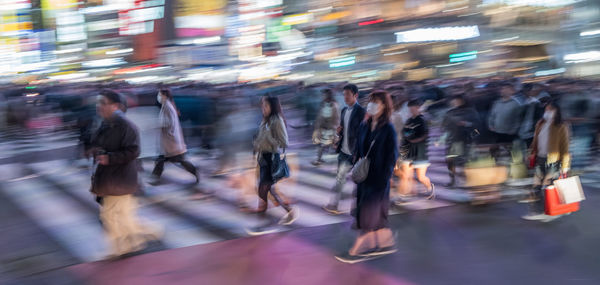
[(372, 108), (548, 115), (159, 98)]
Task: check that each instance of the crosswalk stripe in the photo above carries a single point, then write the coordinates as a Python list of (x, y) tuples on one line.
[(178, 233), (71, 225)]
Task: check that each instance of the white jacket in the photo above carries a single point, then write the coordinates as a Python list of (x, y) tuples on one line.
[(171, 135)]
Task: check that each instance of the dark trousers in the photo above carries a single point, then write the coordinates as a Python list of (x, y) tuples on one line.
[(265, 184), (160, 164)]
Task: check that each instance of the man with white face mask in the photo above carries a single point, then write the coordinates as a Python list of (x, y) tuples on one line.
[(352, 115)]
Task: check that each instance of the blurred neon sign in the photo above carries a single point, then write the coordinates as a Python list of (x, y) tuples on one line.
[(543, 3), (297, 19), (366, 23), (582, 57), (344, 61), (140, 19), (438, 34), (463, 58)]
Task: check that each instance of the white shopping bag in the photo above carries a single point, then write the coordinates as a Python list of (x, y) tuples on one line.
[(569, 190)]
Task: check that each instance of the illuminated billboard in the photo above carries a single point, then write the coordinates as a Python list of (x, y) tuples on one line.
[(200, 18)]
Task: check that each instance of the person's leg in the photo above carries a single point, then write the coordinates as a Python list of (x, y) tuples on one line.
[(263, 192), (344, 166), (364, 242), (110, 222), (277, 197), (537, 207), (320, 153), (188, 166), (406, 180), (159, 166), (422, 178), (384, 238), (451, 164), (137, 234)]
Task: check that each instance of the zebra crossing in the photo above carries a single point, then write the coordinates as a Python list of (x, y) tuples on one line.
[(56, 195), (15, 141)]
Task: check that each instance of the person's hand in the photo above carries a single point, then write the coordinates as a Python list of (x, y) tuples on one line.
[(102, 159), (90, 152), (564, 172)]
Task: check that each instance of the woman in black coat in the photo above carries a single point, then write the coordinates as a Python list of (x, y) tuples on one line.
[(373, 194)]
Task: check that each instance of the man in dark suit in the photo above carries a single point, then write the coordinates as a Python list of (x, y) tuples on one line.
[(352, 115)]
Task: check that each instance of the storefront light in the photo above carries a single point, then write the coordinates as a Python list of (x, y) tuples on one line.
[(438, 34)]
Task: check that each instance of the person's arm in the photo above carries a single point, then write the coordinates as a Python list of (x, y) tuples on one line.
[(279, 133), (534, 143), (356, 151), (319, 119), (425, 135), (492, 118), (334, 113), (340, 128), (390, 151), (564, 149), (129, 150)]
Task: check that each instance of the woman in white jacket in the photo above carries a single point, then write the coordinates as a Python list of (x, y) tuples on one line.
[(172, 145)]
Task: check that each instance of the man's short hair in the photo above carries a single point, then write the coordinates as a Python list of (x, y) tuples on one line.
[(352, 88), (112, 96)]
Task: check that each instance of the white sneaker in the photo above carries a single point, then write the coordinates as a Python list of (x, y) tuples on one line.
[(527, 200), (289, 218), (551, 218), (535, 217)]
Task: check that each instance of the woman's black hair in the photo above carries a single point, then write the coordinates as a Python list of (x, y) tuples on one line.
[(328, 95), (460, 97), (167, 93), (414, 102), (275, 107), (557, 113)]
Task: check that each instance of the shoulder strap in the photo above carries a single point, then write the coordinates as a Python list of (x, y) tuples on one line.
[(371, 146)]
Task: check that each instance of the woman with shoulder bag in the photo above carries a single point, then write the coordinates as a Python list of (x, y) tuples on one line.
[(550, 149), (272, 136), (377, 146)]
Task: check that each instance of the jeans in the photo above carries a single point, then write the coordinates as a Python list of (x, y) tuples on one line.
[(545, 174), (344, 166)]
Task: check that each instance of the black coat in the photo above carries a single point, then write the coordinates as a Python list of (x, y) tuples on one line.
[(119, 139), (357, 116), (373, 194), (456, 132)]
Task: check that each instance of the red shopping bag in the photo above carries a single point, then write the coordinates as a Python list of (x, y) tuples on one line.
[(553, 205)]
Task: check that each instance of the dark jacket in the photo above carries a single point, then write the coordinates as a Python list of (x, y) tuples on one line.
[(357, 116), (373, 194), (119, 139), (457, 132)]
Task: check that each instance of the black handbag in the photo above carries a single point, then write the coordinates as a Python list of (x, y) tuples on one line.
[(279, 167)]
